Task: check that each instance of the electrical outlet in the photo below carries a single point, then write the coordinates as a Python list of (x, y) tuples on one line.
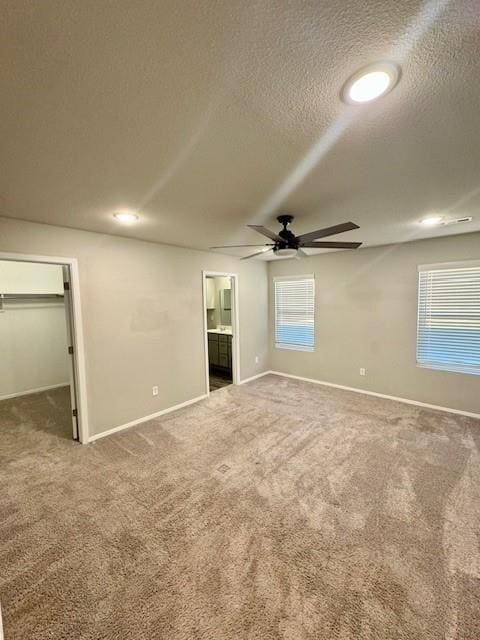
[(363, 371), (155, 391), (257, 359)]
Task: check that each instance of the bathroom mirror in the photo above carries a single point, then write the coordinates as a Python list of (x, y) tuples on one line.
[(225, 307)]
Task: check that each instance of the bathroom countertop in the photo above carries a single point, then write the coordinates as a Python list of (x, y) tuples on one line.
[(228, 332)]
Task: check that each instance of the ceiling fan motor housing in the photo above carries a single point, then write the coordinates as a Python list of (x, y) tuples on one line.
[(289, 239)]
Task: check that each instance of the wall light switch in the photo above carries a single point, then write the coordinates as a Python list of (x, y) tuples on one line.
[(363, 371), (257, 359), (155, 391)]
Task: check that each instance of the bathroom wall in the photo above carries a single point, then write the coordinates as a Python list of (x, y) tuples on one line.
[(215, 316)]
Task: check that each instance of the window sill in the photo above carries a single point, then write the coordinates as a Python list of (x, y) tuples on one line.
[(294, 347), (449, 368)]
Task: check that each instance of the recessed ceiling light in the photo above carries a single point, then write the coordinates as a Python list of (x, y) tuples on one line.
[(431, 221), (371, 82), (125, 217)]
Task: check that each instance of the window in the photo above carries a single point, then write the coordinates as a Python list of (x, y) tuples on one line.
[(294, 313), (448, 331)]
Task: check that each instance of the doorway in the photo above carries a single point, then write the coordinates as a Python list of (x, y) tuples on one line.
[(220, 295), (41, 359)]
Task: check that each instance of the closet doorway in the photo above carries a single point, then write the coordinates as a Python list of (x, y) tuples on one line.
[(40, 359), (220, 306)]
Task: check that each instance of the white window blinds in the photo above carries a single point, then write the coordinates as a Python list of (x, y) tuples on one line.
[(294, 313), (448, 330)]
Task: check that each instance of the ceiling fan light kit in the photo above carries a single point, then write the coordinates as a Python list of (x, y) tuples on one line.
[(287, 245), (287, 253)]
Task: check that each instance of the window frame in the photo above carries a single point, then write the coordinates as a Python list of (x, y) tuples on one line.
[(441, 365), (292, 346)]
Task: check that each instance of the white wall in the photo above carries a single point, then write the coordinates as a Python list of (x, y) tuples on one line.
[(143, 320), (33, 340), (366, 316)]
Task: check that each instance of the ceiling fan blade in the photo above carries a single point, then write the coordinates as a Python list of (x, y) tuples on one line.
[(328, 231), (238, 246), (265, 232), (259, 253), (331, 245)]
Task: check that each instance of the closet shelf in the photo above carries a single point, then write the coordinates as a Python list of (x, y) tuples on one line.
[(28, 297)]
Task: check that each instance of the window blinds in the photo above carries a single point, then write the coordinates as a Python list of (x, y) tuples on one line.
[(448, 330), (294, 313)]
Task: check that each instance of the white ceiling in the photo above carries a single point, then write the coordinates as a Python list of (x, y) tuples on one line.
[(207, 116)]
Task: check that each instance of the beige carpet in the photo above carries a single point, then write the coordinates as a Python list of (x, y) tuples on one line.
[(278, 509)]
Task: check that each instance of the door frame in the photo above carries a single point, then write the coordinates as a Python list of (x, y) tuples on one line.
[(235, 326), (77, 331)]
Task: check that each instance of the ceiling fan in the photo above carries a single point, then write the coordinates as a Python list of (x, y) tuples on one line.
[(287, 244)]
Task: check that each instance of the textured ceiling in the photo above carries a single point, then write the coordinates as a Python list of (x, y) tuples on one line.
[(207, 116)]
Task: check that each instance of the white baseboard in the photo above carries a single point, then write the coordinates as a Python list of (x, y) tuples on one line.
[(379, 395), (157, 414), (285, 375), (259, 375), (37, 390)]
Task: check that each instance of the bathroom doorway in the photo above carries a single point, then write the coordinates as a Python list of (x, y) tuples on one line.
[(220, 294)]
